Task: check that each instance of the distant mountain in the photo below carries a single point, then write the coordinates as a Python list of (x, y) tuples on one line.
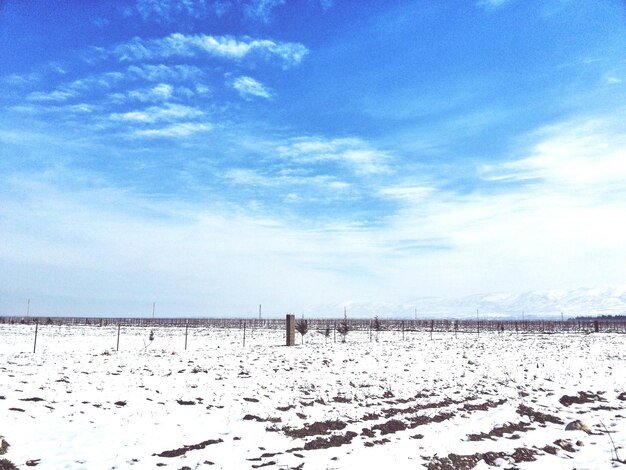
[(544, 304)]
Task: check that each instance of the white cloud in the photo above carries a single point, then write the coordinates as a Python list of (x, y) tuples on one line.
[(249, 88), (583, 153), (353, 152), (409, 193), (160, 92), (56, 96), (166, 11), (261, 9), (182, 129), (170, 112), (164, 73), (226, 47), (492, 3), (249, 177)]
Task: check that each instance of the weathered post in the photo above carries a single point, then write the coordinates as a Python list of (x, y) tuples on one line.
[(186, 328), (596, 326), (244, 333), (291, 330), (118, 337), (35, 345)]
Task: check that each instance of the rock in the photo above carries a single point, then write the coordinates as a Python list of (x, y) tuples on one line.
[(578, 426)]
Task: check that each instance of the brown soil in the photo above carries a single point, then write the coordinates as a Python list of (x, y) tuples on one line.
[(186, 402), (537, 416), (183, 450), (261, 420), (332, 441), (315, 429), (483, 406), (467, 462), (500, 431), (390, 427), (583, 397)]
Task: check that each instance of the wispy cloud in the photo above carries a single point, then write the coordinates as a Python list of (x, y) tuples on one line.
[(170, 112), (249, 88), (288, 54), (260, 9), (491, 4), (352, 152), (182, 129), (250, 177), (56, 96), (161, 72), (160, 92), (581, 152), (167, 11)]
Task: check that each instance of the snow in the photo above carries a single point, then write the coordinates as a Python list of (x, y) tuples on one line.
[(169, 398)]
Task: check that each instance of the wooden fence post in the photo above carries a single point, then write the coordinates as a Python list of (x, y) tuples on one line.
[(291, 329), (35, 345)]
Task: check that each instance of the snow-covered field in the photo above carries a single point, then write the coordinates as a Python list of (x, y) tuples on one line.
[(495, 400)]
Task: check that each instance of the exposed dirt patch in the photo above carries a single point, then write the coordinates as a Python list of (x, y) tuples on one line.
[(500, 431), (332, 441), (537, 416), (7, 465), (262, 420), (582, 397), (483, 406), (32, 399), (467, 462), (183, 450), (389, 412), (376, 442), (186, 402), (315, 429), (390, 427), (266, 464), (342, 400)]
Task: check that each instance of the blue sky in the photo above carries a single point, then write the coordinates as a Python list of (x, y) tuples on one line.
[(213, 155)]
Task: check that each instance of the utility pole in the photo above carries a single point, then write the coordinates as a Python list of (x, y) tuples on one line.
[(28, 309), (259, 311), (153, 304)]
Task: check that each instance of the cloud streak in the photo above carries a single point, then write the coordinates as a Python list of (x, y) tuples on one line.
[(351, 152), (248, 88), (287, 54)]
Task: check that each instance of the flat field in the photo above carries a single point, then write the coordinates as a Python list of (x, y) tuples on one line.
[(450, 402)]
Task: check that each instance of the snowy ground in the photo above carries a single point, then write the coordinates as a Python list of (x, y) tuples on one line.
[(494, 400)]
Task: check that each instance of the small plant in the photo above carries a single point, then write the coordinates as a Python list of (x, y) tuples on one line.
[(614, 449), (151, 337), (302, 327), (4, 446), (377, 326), (325, 332), (343, 328)]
